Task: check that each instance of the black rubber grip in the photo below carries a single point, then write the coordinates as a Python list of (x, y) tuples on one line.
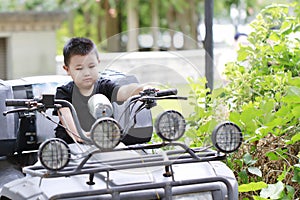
[(16, 102), (168, 92)]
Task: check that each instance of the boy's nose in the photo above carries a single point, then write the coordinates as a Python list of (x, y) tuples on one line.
[(86, 72)]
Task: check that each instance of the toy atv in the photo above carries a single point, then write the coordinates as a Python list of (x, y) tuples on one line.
[(118, 162)]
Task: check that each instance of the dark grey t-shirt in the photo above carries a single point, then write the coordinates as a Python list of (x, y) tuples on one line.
[(70, 93), (80, 103)]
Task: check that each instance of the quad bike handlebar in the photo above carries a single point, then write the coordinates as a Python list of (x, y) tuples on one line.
[(148, 97)]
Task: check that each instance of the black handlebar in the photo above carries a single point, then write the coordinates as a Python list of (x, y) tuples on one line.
[(47, 101), (18, 102), (157, 93), (168, 92)]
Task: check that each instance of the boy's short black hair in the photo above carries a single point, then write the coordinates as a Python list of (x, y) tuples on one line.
[(78, 46)]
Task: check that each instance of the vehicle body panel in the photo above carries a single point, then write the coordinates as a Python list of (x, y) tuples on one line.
[(133, 183)]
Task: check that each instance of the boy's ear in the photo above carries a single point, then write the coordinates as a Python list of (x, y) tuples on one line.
[(66, 68)]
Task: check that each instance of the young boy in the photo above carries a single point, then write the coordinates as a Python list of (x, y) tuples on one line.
[(81, 59)]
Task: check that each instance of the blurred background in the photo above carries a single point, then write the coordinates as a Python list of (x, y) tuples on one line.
[(33, 32)]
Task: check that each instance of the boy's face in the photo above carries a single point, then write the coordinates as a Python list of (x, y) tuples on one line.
[(83, 70)]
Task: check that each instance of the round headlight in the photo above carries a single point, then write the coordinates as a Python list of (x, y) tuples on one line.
[(227, 137), (54, 154), (170, 125), (99, 106), (106, 133)]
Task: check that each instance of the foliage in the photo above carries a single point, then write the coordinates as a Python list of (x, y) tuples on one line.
[(92, 18), (208, 112), (262, 97)]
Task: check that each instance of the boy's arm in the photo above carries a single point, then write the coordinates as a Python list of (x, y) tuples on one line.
[(129, 90), (66, 118)]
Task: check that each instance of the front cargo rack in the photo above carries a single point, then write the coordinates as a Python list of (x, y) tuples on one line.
[(165, 158)]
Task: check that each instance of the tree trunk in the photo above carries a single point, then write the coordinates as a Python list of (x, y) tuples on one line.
[(184, 26), (155, 24), (100, 22), (133, 24), (188, 25), (193, 21), (112, 28), (172, 25)]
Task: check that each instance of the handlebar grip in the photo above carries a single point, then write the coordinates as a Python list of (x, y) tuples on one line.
[(16, 102), (168, 92)]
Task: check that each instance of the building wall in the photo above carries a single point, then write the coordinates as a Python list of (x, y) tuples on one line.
[(28, 40), (33, 54)]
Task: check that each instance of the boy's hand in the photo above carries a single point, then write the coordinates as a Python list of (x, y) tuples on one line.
[(87, 133)]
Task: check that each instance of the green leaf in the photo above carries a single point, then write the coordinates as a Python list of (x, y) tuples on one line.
[(274, 36), (267, 106), (243, 176), (242, 54), (248, 159), (234, 117), (272, 155), (283, 111), (253, 186), (258, 198), (254, 170), (273, 191), (290, 191), (282, 176), (295, 81), (217, 92), (293, 95), (296, 177), (296, 111), (274, 122), (294, 139), (286, 28), (239, 162)]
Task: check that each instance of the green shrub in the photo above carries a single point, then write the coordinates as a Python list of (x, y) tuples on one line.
[(262, 97)]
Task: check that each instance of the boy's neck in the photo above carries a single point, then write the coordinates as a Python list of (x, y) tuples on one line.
[(86, 91)]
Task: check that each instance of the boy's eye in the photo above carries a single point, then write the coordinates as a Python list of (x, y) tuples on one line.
[(78, 68), (92, 66)]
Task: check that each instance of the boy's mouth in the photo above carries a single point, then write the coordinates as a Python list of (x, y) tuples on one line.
[(87, 79)]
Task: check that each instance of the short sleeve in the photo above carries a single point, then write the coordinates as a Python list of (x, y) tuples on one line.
[(108, 88), (64, 92)]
